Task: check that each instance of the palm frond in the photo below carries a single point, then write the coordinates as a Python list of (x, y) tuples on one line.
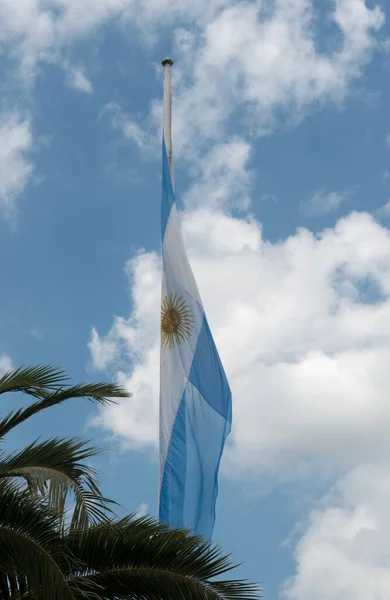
[(156, 584), (28, 515), (144, 542), (150, 561), (142, 584), (234, 589), (29, 544), (32, 379), (23, 556), (102, 393), (54, 468)]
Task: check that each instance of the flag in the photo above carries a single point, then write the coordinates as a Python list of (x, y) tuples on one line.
[(195, 398)]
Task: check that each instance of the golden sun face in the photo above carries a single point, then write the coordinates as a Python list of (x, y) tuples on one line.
[(176, 321)]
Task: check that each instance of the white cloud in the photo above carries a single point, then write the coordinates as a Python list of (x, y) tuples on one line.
[(222, 176), (267, 62), (15, 165), (344, 552), (33, 31), (77, 80), (142, 511), (131, 130), (322, 202), (103, 351), (5, 364), (303, 330), (260, 57), (134, 340)]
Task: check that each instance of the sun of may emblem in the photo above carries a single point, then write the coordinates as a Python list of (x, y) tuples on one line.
[(176, 321)]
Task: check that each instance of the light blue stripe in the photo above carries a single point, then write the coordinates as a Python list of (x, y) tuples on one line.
[(190, 480), (168, 195), (208, 375), (173, 483)]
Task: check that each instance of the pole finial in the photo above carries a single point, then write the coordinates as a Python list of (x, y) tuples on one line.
[(167, 62)]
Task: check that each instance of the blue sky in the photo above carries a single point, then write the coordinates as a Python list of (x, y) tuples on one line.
[(282, 149)]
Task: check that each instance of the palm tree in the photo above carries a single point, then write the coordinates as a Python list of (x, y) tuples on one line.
[(127, 559), (92, 555), (37, 483)]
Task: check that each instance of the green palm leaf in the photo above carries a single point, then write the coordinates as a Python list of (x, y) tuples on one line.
[(55, 468), (138, 558), (144, 583), (29, 545), (32, 379), (102, 393), (145, 542)]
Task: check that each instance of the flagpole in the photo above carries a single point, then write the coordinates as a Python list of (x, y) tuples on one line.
[(167, 124), (167, 104)]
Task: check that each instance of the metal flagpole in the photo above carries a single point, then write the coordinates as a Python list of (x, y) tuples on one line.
[(167, 103)]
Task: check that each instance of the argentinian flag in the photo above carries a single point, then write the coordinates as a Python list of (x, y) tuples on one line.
[(195, 398)]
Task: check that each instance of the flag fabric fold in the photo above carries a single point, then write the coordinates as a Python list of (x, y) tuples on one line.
[(195, 398)]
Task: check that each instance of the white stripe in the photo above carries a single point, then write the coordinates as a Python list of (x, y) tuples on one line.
[(175, 261), (176, 362)]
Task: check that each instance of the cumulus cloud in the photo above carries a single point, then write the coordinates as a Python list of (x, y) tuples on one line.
[(301, 324), (222, 176), (104, 351), (343, 553), (15, 164), (267, 62), (303, 330), (33, 31), (134, 340), (261, 57)]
